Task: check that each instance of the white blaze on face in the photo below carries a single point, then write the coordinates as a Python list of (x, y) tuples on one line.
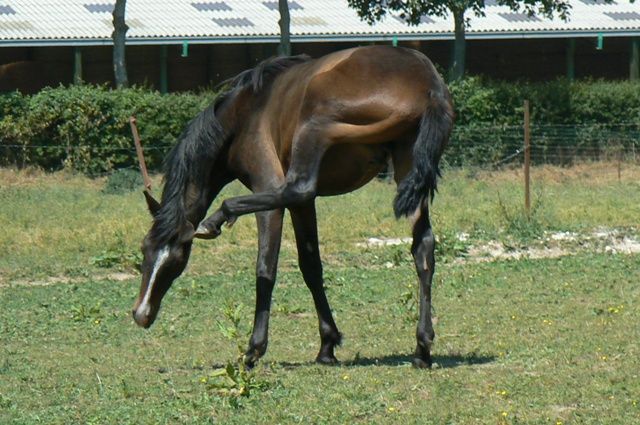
[(144, 308)]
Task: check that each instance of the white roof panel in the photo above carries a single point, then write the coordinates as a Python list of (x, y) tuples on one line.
[(172, 21)]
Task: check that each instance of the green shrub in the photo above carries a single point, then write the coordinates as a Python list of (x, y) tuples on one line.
[(86, 128), (122, 181)]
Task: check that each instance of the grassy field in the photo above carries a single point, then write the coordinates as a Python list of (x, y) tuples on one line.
[(550, 340)]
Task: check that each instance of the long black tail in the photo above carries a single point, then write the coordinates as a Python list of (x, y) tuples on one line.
[(433, 135)]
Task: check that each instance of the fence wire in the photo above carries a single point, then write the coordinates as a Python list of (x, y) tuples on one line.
[(486, 146)]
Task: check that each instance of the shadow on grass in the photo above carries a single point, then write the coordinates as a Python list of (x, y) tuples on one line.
[(442, 362)]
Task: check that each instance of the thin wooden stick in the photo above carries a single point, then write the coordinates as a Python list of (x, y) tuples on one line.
[(527, 159), (140, 153)]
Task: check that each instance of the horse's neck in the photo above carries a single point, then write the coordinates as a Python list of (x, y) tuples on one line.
[(199, 195)]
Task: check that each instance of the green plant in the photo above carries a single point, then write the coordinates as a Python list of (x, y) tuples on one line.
[(235, 379), (81, 313), (518, 222), (118, 255), (122, 181), (449, 245), (86, 128)]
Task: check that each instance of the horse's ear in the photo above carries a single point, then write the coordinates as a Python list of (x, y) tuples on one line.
[(154, 206)]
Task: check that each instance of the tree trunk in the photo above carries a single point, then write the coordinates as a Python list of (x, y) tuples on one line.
[(119, 37), (459, 47), (284, 48)]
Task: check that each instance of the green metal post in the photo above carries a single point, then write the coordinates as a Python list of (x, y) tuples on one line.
[(77, 65), (185, 48), (600, 45), (634, 63), (571, 59), (394, 41), (164, 75)]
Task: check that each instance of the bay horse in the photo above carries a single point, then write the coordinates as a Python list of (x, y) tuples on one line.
[(291, 129)]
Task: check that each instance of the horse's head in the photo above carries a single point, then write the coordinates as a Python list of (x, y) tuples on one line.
[(163, 262)]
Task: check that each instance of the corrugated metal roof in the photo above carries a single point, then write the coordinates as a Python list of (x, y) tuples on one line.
[(75, 22)]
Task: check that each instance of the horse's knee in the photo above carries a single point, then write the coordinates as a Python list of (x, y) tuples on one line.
[(298, 192)]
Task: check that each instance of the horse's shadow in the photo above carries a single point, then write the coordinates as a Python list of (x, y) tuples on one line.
[(399, 360)]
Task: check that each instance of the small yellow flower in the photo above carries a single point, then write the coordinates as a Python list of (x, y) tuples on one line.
[(603, 358), (345, 377), (391, 409), (203, 380), (504, 414), (558, 422), (97, 321)]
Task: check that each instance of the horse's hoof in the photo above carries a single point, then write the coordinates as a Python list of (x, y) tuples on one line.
[(250, 362), (205, 232), (419, 363), (327, 360)]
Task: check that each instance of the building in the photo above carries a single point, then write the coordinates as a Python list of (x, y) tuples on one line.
[(175, 45)]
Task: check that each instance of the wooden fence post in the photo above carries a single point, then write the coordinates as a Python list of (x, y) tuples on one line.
[(143, 165), (527, 159)]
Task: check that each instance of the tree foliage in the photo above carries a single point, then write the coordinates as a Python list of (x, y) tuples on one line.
[(413, 11)]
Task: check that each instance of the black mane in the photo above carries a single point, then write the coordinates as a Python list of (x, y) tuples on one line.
[(201, 142)]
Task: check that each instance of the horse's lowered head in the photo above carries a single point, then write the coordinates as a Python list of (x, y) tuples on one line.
[(164, 260)]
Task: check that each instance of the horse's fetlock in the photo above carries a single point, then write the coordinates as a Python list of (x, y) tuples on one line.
[(425, 338), (330, 335), (258, 346)]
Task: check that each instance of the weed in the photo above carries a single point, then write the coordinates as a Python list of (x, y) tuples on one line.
[(409, 302), (82, 313), (119, 255), (520, 224), (450, 246), (235, 379)]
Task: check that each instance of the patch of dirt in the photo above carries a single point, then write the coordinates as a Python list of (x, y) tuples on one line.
[(54, 280), (376, 242), (551, 245)]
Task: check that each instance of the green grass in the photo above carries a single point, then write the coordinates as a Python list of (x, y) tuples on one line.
[(542, 341), (530, 341), (60, 225)]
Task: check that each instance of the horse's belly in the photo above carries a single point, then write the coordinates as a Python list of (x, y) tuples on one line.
[(345, 168)]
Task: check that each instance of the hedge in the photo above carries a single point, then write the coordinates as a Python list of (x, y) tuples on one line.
[(86, 128)]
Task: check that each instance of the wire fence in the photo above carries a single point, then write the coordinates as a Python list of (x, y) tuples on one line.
[(483, 146), (492, 146)]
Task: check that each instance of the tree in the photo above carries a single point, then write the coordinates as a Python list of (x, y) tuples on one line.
[(119, 37), (412, 12), (284, 48)]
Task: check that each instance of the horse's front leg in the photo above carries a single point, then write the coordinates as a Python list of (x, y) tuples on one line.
[(269, 237), (306, 231), (297, 189)]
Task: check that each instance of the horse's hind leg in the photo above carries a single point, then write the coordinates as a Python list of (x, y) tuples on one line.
[(269, 237), (422, 249), (306, 231)]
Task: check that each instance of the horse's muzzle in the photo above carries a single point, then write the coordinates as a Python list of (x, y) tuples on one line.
[(144, 317)]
